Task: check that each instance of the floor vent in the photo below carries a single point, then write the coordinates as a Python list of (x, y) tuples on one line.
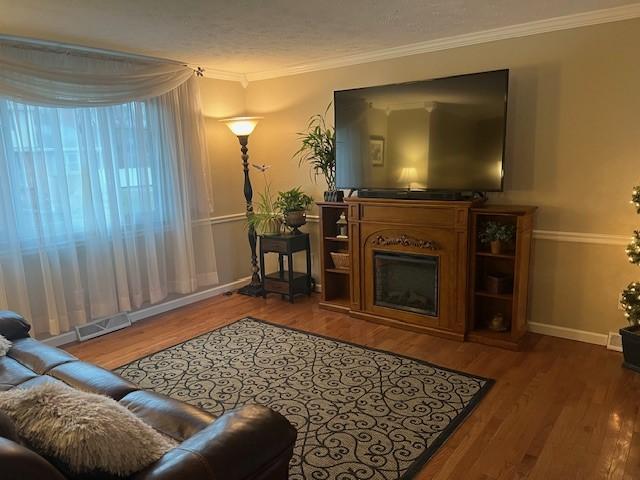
[(614, 341), (103, 326)]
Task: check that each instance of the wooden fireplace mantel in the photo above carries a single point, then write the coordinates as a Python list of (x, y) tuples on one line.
[(407, 226), (446, 230)]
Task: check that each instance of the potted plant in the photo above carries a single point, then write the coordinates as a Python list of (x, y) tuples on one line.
[(266, 219), (318, 149), (293, 204), (497, 235), (630, 301)]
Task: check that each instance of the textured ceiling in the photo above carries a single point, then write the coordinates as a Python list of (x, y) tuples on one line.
[(245, 36)]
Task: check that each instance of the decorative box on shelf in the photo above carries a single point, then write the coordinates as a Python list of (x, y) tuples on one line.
[(499, 283)]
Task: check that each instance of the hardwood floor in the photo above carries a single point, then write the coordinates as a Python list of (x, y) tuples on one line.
[(559, 409)]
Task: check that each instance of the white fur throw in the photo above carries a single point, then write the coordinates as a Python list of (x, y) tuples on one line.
[(5, 345), (85, 431)]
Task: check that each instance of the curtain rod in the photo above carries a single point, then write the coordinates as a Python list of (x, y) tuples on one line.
[(100, 51)]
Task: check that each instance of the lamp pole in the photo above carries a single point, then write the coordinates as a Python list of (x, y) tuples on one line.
[(242, 128), (254, 289)]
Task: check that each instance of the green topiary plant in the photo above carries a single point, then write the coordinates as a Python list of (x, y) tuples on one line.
[(630, 297)]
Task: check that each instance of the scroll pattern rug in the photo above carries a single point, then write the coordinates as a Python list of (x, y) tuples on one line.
[(361, 414)]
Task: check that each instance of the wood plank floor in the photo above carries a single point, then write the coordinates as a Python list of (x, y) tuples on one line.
[(559, 409)]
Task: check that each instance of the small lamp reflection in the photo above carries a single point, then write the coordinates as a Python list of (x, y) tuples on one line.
[(408, 175)]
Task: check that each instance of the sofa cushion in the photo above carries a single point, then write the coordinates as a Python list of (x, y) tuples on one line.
[(37, 356), (173, 418), (93, 379), (13, 326), (39, 380), (83, 432), (13, 373), (8, 428), (20, 463)]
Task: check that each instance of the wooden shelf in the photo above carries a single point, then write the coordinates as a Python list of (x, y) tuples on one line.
[(336, 282), (500, 296), (342, 271), (336, 239), (509, 256), (276, 276), (483, 305)]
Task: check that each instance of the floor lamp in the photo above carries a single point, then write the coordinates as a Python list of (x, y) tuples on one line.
[(242, 128)]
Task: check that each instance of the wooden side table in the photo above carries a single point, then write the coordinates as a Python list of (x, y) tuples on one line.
[(286, 282)]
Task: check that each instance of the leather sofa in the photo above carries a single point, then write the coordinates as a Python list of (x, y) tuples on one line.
[(250, 443)]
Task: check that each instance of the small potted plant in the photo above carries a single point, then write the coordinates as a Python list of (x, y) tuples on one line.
[(266, 219), (318, 149), (497, 235), (294, 204), (630, 301)]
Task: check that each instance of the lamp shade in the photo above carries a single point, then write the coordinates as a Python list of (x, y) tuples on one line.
[(408, 175), (241, 126)]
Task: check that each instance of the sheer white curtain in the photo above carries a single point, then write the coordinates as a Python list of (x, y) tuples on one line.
[(99, 204)]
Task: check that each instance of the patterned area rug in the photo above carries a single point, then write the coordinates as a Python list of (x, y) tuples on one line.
[(360, 413)]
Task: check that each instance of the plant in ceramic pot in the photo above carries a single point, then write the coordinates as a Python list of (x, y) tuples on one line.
[(294, 204), (497, 235), (630, 300), (318, 149), (266, 218)]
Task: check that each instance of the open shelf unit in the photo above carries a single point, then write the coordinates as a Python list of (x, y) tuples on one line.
[(513, 263), (335, 281)]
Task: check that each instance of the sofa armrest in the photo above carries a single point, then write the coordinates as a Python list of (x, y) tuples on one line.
[(13, 326), (250, 443), (20, 463)]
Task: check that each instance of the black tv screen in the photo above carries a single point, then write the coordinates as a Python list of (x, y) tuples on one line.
[(445, 134)]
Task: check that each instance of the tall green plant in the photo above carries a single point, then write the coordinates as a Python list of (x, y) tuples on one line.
[(318, 148), (266, 211), (630, 297)]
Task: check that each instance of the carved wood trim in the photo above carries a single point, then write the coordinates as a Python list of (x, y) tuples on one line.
[(405, 241)]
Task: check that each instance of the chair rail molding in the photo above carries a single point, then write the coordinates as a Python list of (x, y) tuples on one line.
[(232, 217), (550, 235), (580, 237)]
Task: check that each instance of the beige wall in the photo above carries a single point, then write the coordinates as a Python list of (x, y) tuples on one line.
[(572, 148), (222, 99)]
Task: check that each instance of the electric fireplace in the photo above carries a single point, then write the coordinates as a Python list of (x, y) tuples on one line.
[(406, 282)]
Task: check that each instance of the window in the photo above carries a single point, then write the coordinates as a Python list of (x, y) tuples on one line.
[(74, 172)]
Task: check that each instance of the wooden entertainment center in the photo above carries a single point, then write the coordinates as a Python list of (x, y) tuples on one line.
[(419, 265)]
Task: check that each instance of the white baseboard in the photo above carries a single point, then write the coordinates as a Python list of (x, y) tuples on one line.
[(568, 333), (61, 339), (147, 312), (535, 327)]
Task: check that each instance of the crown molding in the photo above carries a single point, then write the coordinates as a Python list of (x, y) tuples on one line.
[(225, 75), (595, 17)]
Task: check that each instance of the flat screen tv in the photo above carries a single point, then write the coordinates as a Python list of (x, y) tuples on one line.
[(445, 134)]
